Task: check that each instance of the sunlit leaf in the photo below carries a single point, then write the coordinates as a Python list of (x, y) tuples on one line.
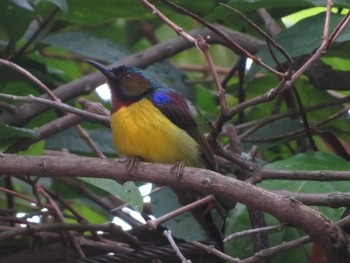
[(35, 149), (127, 192)]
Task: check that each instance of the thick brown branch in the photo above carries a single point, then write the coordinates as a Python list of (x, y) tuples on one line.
[(329, 236)]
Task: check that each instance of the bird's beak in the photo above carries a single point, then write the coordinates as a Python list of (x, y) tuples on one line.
[(104, 70)]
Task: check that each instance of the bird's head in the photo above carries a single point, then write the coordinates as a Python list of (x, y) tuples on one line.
[(126, 83)]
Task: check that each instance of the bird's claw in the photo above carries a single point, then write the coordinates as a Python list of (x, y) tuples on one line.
[(178, 169), (131, 163)]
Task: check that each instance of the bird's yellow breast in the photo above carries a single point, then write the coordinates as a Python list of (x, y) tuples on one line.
[(141, 130)]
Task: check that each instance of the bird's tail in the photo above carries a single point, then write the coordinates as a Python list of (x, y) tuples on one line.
[(203, 216)]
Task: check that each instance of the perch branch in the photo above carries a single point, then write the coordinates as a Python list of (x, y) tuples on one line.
[(285, 209)]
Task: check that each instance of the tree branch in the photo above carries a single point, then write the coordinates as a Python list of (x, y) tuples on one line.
[(325, 233)]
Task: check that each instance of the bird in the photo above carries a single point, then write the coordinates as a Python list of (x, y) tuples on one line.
[(154, 123)]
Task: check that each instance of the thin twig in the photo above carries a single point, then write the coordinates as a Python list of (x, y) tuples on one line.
[(268, 252), (236, 67), (234, 142), (19, 195), (171, 24), (57, 105), (167, 234), (202, 68), (306, 124), (66, 205), (85, 136), (204, 47), (254, 230), (327, 20), (339, 28), (153, 224), (214, 251)]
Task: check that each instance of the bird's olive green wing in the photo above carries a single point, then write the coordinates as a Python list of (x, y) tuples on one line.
[(175, 108)]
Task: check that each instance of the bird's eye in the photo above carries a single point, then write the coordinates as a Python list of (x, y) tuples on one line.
[(127, 76)]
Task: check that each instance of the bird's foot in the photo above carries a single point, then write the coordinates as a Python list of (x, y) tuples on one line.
[(131, 163), (178, 169)]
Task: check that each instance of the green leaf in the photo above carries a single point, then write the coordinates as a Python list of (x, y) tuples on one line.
[(87, 44), (127, 192), (90, 12), (61, 4), (337, 63), (9, 132), (256, 87), (35, 149), (310, 97), (14, 20), (71, 141), (205, 101), (277, 129), (299, 254), (26, 4), (204, 8), (64, 69), (310, 162), (94, 213)]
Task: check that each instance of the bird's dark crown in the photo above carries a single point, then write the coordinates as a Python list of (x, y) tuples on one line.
[(123, 70), (120, 69)]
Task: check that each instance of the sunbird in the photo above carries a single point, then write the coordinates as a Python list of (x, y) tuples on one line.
[(155, 124)]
